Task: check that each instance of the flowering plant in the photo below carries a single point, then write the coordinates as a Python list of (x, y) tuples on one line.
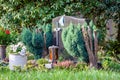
[(18, 48), (5, 36)]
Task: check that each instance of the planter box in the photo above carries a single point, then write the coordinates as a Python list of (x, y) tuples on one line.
[(17, 60)]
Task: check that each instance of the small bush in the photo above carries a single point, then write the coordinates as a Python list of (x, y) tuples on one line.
[(111, 65), (81, 66), (42, 61), (73, 42), (36, 65), (67, 64), (33, 41)]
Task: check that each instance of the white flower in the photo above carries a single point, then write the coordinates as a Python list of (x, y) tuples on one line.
[(23, 51), (18, 48), (20, 44)]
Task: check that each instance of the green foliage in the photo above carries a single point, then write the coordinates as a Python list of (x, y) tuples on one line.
[(33, 41), (17, 68), (112, 49), (8, 36), (5, 38), (20, 13), (4, 64), (42, 61), (49, 35), (17, 14), (71, 66), (73, 42), (81, 66), (37, 39), (36, 65), (30, 56), (26, 36), (65, 56), (46, 30), (111, 65)]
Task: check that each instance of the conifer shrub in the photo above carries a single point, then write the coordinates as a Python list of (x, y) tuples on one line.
[(49, 35), (73, 42), (33, 41), (46, 30), (36, 40)]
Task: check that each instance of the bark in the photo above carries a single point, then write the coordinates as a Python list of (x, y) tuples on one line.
[(45, 48), (95, 46), (90, 38), (92, 61)]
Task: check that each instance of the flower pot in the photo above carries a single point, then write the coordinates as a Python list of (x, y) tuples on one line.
[(17, 60), (2, 52)]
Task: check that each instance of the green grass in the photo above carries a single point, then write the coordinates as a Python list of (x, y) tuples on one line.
[(59, 75)]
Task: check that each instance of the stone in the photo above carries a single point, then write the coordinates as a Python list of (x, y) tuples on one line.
[(67, 21), (49, 66)]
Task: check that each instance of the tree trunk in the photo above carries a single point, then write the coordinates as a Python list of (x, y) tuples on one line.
[(88, 44), (95, 46), (45, 52)]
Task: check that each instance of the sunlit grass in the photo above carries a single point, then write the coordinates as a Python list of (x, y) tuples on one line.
[(59, 75)]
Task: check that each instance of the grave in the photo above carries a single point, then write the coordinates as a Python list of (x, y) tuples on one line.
[(56, 24), (69, 19)]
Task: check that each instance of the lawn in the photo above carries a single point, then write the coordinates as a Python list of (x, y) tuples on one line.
[(56, 74)]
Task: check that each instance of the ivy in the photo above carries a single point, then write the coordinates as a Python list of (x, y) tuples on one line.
[(27, 13)]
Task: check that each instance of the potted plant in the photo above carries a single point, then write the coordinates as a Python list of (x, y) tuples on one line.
[(17, 56), (5, 39)]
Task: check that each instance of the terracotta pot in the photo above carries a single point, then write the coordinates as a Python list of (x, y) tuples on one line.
[(2, 52)]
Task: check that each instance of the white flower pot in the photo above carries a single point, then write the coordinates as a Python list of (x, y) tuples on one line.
[(17, 60)]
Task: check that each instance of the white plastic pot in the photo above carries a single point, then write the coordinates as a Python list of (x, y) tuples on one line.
[(17, 60)]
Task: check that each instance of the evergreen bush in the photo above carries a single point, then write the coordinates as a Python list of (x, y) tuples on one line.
[(47, 33), (73, 42), (33, 41), (37, 39)]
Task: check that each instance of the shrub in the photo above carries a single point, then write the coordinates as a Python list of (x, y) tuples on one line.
[(109, 64), (49, 38), (67, 64), (33, 41), (42, 61), (73, 42), (36, 65), (36, 40), (7, 36), (113, 49), (81, 66), (47, 32)]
